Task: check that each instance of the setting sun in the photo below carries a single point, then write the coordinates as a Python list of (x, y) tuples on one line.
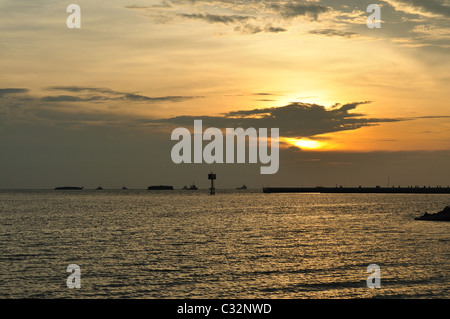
[(305, 143)]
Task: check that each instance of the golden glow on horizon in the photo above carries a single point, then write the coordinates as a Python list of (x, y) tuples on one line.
[(304, 143)]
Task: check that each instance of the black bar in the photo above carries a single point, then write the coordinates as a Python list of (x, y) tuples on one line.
[(224, 308)]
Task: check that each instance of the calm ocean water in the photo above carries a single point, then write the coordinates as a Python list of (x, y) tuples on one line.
[(237, 244)]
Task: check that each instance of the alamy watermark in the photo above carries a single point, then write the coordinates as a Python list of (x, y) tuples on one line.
[(374, 20), (74, 280), (74, 20), (214, 150), (374, 280)]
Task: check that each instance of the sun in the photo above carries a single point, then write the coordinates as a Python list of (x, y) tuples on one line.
[(304, 143)]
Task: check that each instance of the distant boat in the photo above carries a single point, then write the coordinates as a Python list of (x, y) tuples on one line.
[(68, 188), (242, 187), (124, 188), (191, 188), (160, 188), (99, 188)]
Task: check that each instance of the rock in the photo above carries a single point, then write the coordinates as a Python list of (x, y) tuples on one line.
[(443, 215)]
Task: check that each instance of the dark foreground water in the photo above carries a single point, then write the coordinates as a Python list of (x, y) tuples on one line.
[(183, 244)]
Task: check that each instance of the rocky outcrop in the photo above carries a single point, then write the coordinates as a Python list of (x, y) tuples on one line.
[(443, 215)]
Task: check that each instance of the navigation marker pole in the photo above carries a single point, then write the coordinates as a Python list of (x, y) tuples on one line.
[(212, 177)]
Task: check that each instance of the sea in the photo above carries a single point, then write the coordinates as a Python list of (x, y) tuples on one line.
[(245, 244)]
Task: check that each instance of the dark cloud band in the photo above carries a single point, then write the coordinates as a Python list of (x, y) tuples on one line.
[(294, 120)]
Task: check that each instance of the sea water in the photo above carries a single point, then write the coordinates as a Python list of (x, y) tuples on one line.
[(236, 244)]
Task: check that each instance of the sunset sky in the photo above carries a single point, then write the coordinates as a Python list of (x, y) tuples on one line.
[(96, 106)]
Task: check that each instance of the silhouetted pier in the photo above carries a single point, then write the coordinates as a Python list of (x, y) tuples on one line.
[(363, 190)]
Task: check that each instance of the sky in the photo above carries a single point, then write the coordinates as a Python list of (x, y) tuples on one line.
[(97, 105)]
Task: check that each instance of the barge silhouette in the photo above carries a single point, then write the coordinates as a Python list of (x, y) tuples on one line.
[(68, 188), (160, 188), (359, 190)]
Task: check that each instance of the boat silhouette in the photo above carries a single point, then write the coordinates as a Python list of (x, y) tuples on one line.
[(242, 187), (191, 188), (160, 188), (68, 188), (99, 188)]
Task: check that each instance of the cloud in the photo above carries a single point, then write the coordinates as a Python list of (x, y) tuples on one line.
[(81, 89), (70, 98), (423, 7), (161, 5), (238, 13), (433, 117), (264, 94), (274, 29), (291, 10), (427, 29), (297, 120), (251, 17), (76, 106), (143, 98), (253, 29), (12, 91), (248, 29), (294, 120), (213, 18), (334, 33), (92, 94)]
